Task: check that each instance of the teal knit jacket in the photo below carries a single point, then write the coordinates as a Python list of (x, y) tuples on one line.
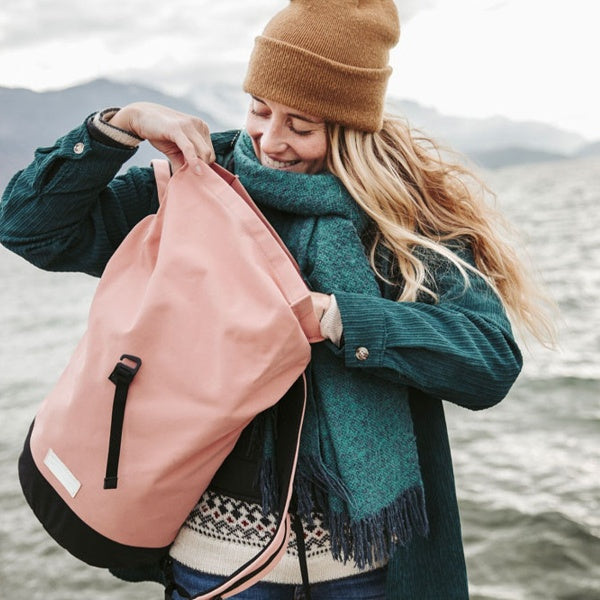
[(67, 211)]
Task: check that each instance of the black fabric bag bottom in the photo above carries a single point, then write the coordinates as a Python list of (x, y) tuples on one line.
[(68, 530)]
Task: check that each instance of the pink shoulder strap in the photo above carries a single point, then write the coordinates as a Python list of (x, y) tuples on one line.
[(162, 174)]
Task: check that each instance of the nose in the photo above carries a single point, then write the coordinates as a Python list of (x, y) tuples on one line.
[(273, 138)]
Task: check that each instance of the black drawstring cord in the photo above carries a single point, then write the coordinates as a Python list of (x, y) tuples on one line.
[(299, 531)]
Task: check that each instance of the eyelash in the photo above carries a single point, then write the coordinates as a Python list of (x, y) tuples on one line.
[(264, 116)]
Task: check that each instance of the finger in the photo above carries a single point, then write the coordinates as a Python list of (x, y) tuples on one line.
[(196, 151), (205, 151), (200, 137), (189, 151)]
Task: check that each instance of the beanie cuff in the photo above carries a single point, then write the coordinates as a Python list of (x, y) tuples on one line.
[(298, 78)]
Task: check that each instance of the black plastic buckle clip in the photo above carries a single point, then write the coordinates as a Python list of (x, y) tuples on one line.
[(123, 372)]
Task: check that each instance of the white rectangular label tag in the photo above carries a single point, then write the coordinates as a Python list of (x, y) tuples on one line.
[(62, 473)]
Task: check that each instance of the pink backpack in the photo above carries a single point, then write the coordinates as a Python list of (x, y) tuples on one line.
[(201, 320)]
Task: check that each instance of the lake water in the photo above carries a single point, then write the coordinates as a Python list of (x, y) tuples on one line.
[(528, 470)]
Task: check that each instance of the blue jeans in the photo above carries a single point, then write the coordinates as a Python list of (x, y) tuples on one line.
[(365, 586)]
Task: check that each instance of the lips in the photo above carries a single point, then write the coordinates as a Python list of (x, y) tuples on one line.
[(277, 164)]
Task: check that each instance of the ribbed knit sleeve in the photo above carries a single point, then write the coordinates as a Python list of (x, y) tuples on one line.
[(460, 349), (66, 211)]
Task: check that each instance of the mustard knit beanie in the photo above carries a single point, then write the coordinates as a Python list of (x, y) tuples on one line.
[(328, 58)]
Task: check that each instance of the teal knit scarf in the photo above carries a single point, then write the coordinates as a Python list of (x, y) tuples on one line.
[(358, 458)]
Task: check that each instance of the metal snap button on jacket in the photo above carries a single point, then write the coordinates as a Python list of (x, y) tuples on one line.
[(361, 353), (78, 147)]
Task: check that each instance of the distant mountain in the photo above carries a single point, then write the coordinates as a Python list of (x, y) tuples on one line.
[(480, 136), (31, 119), (503, 157), (592, 149)]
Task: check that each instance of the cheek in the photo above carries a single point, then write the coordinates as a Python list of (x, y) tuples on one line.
[(254, 132), (252, 125), (315, 149)]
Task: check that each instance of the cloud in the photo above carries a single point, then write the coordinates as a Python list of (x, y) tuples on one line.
[(35, 21), (57, 42), (49, 44), (409, 8), (25, 22)]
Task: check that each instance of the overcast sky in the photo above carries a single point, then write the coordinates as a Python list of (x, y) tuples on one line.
[(525, 59)]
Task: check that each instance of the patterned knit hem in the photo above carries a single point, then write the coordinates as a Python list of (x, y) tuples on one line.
[(220, 557), (222, 533)]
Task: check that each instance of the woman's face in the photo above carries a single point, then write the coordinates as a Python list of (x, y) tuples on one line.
[(286, 139)]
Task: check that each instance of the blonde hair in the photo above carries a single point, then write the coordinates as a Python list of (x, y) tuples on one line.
[(417, 199)]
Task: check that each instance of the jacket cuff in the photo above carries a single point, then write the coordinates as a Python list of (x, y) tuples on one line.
[(364, 330), (100, 129)]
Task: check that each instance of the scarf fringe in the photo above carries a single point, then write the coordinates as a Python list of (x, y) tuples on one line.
[(315, 482), (268, 486), (368, 541), (374, 539)]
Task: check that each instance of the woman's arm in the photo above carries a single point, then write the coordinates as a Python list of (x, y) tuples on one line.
[(461, 349), (68, 212)]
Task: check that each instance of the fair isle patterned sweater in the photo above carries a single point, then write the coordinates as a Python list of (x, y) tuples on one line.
[(223, 533)]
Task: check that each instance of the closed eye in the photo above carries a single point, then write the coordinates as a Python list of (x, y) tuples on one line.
[(258, 114), (300, 132)]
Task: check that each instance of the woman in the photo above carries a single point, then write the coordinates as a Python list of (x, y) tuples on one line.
[(412, 283)]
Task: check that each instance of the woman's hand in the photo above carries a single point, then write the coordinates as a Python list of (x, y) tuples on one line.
[(181, 137), (320, 303)]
